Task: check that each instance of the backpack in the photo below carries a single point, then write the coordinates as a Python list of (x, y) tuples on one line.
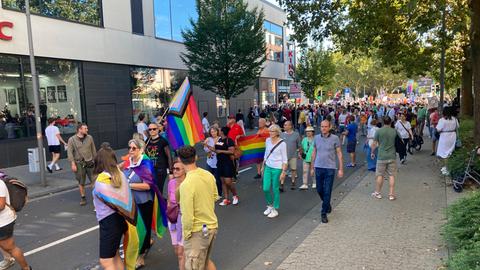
[(17, 191)]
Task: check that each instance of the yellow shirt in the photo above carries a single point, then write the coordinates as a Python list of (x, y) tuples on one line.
[(198, 194)]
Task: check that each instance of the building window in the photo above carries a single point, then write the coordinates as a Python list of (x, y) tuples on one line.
[(153, 89), (274, 41), (267, 91), (82, 11), (173, 16), (137, 16), (59, 96)]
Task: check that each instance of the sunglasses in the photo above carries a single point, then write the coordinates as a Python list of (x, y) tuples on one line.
[(152, 129), (133, 148), (177, 169)]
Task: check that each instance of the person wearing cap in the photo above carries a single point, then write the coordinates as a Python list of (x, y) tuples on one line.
[(306, 156), (235, 131)]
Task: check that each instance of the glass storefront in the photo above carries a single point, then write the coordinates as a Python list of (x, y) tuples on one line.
[(82, 11), (173, 16), (153, 89), (267, 91), (59, 86), (274, 41)]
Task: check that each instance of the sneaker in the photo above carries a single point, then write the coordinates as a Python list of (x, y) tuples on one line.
[(258, 176), (59, 169), (350, 165), (49, 169), (303, 187), (7, 263), (268, 211), (235, 200), (83, 201), (324, 218), (225, 202), (377, 195), (273, 213), (314, 186), (402, 161)]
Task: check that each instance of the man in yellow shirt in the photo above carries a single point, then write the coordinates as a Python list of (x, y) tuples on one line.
[(198, 194)]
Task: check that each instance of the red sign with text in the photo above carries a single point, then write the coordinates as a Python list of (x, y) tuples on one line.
[(4, 25)]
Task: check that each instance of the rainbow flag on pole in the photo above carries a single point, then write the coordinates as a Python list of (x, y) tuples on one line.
[(183, 120), (253, 149)]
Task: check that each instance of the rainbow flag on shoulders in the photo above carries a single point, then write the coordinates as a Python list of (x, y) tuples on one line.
[(184, 126), (253, 149)]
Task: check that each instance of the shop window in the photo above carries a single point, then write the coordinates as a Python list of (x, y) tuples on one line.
[(274, 41), (173, 16), (59, 90), (82, 11), (221, 107), (267, 91), (153, 89)]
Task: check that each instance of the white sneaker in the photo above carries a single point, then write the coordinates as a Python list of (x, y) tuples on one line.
[(7, 263), (314, 186), (303, 187), (268, 211), (273, 214), (235, 200)]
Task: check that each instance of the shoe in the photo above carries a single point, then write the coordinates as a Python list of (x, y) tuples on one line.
[(329, 210), (7, 263), (59, 169), (49, 170), (351, 165), (314, 186), (392, 197), (258, 176), (268, 211), (402, 161), (225, 202), (432, 154), (235, 200), (303, 187), (281, 188), (377, 195), (324, 218), (83, 201), (293, 187), (273, 213)]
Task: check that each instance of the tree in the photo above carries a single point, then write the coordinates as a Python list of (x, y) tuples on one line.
[(225, 47), (315, 69), (475, 46)]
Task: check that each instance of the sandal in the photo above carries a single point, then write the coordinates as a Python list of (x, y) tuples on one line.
[(392, 197), (377, 195)]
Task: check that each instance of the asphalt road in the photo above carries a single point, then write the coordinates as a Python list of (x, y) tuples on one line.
[(58, 234)]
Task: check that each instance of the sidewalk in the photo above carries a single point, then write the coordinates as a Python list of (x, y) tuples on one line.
[(367, 233)]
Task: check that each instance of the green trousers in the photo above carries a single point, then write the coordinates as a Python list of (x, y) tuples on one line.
[(271, 177)]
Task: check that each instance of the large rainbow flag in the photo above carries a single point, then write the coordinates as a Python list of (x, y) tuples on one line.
[(183, 120), (253, 149)]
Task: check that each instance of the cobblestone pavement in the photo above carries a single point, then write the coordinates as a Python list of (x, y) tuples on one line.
[(368, 233)]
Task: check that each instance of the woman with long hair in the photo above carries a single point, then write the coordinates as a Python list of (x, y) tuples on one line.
[(447, 127), (212, 161), (274, 168), (175, 228), (226, 169)]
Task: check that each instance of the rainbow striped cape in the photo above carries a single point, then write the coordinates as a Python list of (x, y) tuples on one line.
[(184, 126), (253, 149)]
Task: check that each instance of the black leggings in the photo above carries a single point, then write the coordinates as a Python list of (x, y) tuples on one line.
[(402, 153), (146, 210), (161, 175)]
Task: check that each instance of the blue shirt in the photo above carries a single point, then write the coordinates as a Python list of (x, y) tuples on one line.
[(140, 196), (352, 132)]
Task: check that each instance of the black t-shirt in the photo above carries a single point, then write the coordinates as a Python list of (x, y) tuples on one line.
[(155, 150), (224, 144)]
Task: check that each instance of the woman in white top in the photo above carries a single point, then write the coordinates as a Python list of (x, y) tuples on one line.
[(209, 147), (274, 168), (404, 130), (7, 222), (447, 127)]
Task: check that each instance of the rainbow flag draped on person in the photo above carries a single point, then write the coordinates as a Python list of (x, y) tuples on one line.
[(183, 120), (253, 149)]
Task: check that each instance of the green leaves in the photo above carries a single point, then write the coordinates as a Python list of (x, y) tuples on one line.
[(315, 69), (225, 48)]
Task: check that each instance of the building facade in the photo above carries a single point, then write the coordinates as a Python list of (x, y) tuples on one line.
[(104, 62)]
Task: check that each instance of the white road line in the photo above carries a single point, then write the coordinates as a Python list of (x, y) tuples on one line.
[(60, 241), (244, 170)]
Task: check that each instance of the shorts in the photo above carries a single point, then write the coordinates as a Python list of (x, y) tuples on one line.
[(54, 149), (386, 168), (226, 169), (198, 249), (111, 230), (176, 232), (341, 129), (292, 164), (351, 146), (7, 231), (81, 174), (434, 131)]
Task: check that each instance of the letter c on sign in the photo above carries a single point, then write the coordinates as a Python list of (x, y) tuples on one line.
[(3, 25)]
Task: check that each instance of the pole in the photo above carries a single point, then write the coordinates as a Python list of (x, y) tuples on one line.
[(36, 100)]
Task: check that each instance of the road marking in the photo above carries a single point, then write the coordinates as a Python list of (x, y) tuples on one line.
[(60, 241), (244, 170)]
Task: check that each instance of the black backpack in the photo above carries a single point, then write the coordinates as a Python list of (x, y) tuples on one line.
[(17, 191)]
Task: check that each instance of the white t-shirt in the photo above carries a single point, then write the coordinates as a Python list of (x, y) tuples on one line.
[(342, 118), (7, 216), (212, 159), (51, 134), (141, 128), (404, 134), (205, 124)]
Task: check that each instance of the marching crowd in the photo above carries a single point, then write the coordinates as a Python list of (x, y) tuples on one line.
[(152, 173)]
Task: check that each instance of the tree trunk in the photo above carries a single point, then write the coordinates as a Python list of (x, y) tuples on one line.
[(466, 101), (475, 43), (227, 104)]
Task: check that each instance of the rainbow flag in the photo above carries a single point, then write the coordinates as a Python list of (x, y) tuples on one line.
[(253, 149), (133, 241), (184, 126)]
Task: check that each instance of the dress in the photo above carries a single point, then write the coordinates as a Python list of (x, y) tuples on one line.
[(448, 136)]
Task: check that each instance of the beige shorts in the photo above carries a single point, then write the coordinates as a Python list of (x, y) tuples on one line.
[(386, 168), (292, 164), (198, 249)]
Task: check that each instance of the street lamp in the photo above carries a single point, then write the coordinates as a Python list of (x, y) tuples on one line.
[(36, 99)]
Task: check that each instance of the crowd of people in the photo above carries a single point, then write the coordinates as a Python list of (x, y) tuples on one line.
[(152, 171)]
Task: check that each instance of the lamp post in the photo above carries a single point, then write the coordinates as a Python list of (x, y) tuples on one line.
[(36, 98)]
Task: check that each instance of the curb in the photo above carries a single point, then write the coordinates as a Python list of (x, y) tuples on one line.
[(52, 191)]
